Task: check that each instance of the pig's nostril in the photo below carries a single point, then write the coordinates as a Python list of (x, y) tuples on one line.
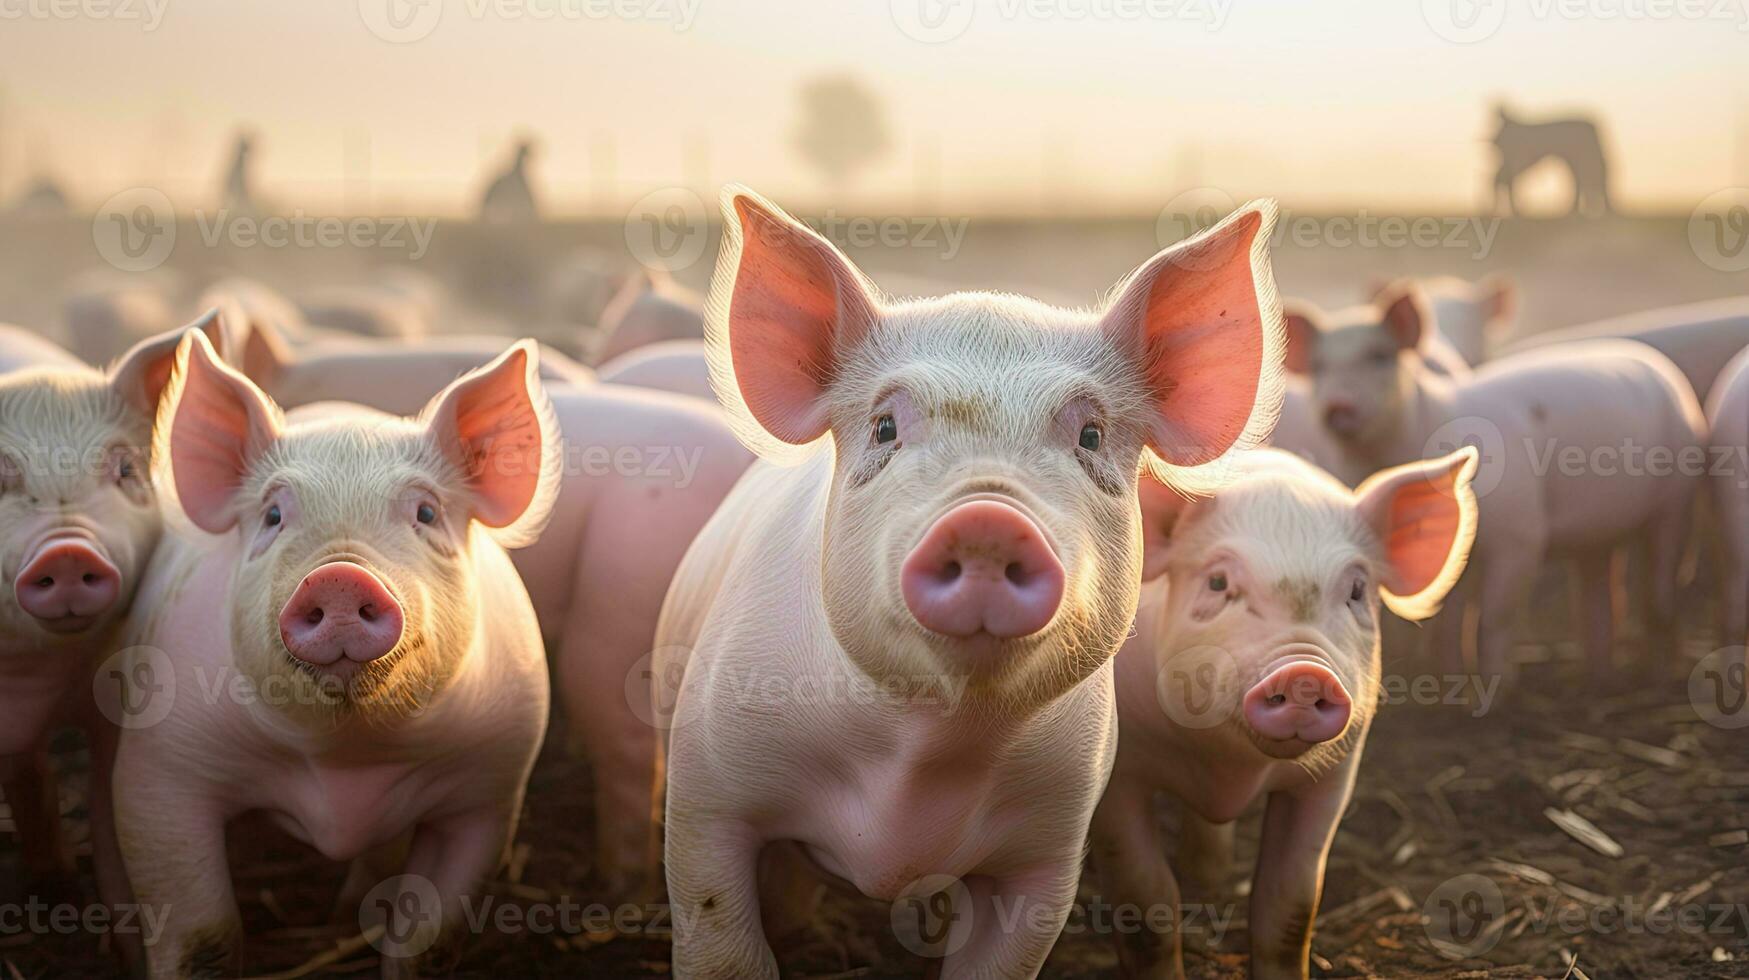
[(1015, 573), (88, 578), (314, 616), (45, 582), (368, 613), (1278, 699), (950, 571)]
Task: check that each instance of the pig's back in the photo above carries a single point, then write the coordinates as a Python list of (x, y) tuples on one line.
[(1699, 338), (20, 348)]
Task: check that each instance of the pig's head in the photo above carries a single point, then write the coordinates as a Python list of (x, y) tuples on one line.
[(982, 522), (1364, 362), (1273, 589), (78, 514), (355, 531)]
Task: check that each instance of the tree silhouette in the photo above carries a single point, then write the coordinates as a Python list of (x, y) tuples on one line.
[(842, 128)]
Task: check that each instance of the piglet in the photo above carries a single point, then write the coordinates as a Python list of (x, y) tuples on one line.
[(1728, 416), (78, 524), (349, 648), (889, 663), (678, 366), (1254, 672), (1473, 318), (1587, 448)]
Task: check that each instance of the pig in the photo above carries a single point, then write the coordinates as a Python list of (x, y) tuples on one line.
[(582, 286), (1728, 416), (1254, 671), (643, 472), (352, 651), (383, 314), (640, 317), (390, 376), (1559, 430), (678, 366), (1698, 338), (104, 320), (78, 523), (1298, 431), (887, 656), (21, 348), (1473, 317)]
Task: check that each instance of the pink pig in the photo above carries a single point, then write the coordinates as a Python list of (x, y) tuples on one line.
[(1585, 448), (1698, 338), (346, 646), (889, 663), (1254, 671), (1728, 415), (679, 366)]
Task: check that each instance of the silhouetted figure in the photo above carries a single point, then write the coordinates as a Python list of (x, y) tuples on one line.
[(1573, 141), (509, 199), (842, 129), (42, 199), (237, 195)]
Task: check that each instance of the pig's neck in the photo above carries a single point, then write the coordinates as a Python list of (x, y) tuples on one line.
[(1427, 401)]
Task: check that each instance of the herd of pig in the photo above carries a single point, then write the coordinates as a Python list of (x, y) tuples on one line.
[(877, 624)]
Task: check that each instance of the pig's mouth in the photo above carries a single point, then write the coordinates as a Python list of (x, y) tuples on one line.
[(1298, 704)]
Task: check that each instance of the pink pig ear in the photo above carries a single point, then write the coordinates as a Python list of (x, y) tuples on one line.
[(497, 425), (1300, 321), (1404, 310), (141, 374), (219, 424), (1202, 322), (786, 307), (1425, 515), (1161, 508)]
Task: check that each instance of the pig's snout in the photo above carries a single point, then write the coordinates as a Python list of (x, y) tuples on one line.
[(1342, 418), (983, 567), (340, 611), (1299, 701), (66, 584)]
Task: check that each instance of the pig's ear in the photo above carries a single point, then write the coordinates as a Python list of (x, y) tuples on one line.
[(1202, 323), (1424, 514), (212, 426), (497, 426), (1299, 320), (1498, 295), (1403, 311), (785, 306), (265, 352), (141, 375), (1161, 508)]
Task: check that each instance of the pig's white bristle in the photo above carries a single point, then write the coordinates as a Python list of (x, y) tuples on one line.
[(1206, 478)]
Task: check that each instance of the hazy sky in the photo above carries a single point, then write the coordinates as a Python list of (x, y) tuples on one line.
[(1028, 104)]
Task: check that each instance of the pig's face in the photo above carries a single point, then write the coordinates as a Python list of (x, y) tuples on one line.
[(1275, 584), (982, 521), (1362, 361), (354, 588), (78, 514)]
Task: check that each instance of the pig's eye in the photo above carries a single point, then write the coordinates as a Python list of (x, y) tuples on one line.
[(1383, 358), (426, 514), (273, 516), (885, 429), (1218, 582), (1357, 591), (1091, 436)]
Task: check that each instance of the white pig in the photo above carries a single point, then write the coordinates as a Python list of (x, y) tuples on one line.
[(1728, 416), (1254, 672), (351, 649), (960, 542), (1473, 317), (1698, 338), (1586, 448)]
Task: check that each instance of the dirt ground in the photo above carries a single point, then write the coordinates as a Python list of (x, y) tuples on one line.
[(1446, 790)]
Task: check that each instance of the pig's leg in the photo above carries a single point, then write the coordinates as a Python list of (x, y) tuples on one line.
[(1447, 629), (1506, 575), (1016, 920), (1667, 540), (713, 889), (456, 854), (1594, 581), (1204, 856), (173, 843), (1297, 829), (1133, 873), (31, 793), (106, 859), (365, 872)]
